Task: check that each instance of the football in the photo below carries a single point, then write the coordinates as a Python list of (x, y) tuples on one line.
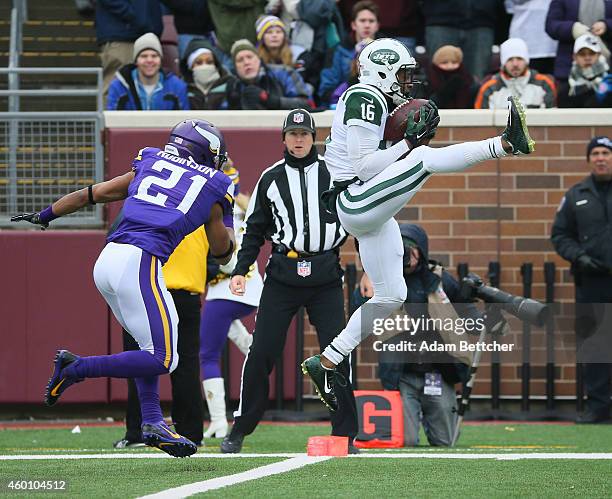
[(397, 120)]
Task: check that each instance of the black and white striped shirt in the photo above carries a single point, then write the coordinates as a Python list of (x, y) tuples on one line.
[(286, 209)]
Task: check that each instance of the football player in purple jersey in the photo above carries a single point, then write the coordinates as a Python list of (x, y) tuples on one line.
[(168, 194)]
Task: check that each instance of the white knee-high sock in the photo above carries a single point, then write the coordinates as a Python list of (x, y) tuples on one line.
[(458, 157)]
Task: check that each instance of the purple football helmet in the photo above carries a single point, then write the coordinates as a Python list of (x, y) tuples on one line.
[(199, 139)]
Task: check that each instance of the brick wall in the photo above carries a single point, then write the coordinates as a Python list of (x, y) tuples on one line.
[(501, 210)]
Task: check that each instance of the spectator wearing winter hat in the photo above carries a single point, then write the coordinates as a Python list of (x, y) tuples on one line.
[(272, 44), (260, 87), (449, 84), (590, 83), (274, 50), (143, 85), (533, 89), (568, 19), (207, 79), (118, 24)]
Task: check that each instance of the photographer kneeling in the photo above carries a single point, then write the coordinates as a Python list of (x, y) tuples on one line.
[(426, 379)]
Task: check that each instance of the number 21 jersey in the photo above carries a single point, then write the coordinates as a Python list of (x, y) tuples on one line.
[(169, 198)]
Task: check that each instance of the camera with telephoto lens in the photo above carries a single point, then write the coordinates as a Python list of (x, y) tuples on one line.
[(526, 309)]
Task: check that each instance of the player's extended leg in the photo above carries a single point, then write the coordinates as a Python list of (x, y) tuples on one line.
[(381, 253), (216, 321), (132, 283)]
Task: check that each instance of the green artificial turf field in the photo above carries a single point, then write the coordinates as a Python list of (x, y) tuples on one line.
[(91, 468)]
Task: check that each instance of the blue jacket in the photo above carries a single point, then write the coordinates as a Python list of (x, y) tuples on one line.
[(125, 93), (126, 20), (562, 14), (338, 72)]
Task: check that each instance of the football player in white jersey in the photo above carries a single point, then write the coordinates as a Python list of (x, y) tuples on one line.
[(372, 184)]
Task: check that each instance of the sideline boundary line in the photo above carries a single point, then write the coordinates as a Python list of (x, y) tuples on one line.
[(413, 455), (245, 476)]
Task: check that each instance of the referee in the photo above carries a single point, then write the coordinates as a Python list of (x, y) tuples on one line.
[(303, 270)]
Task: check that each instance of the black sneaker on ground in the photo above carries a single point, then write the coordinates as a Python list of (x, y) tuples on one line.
[(516, 131), (124, 443), (352, 449), (593, 417), (232, 443)]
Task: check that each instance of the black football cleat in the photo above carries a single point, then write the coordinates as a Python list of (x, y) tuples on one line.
[(232, 444), (57, 383), (163, 438), (516, 132), (322, 379)]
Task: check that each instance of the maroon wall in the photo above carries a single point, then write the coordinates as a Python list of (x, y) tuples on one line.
[(49, 299), (51, 302)]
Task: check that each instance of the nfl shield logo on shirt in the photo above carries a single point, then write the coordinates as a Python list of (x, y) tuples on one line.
[(304, 268), (298, 118)]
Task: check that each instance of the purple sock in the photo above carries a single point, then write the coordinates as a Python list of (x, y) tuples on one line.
[(131, 364), (216, 319), (148, 394)]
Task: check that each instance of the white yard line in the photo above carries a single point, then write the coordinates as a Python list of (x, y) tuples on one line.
[(245, 476), (139, 455), (412, 455)]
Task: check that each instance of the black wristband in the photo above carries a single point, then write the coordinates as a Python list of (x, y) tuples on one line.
[(90, 194), (227, 253)]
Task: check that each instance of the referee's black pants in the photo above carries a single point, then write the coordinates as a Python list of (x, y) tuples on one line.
[(187, 410), (278, 304)]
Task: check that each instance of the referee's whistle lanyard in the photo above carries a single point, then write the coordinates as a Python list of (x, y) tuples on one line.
[(304, 189)]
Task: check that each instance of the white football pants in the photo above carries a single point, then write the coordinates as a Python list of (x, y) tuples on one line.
[(133, 285), (366, 211)]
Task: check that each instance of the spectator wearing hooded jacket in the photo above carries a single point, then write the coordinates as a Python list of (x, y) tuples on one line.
[(118, 24), (364, 25), (449, 84), (207, 79), (143, 85), (569, 19), (533, 89), (259, 87)]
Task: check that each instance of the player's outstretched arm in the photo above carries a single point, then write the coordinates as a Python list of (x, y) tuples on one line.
[(221, 238), (114, 189)]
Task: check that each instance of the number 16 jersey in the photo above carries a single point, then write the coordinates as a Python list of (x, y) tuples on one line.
[(361, 105), (169, 198)]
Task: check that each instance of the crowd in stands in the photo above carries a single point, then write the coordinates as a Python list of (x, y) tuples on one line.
[(283, 54)]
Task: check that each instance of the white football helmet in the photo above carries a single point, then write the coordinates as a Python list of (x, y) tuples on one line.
[(387, 64)]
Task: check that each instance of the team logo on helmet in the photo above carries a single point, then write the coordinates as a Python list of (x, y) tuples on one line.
[(384, 57)]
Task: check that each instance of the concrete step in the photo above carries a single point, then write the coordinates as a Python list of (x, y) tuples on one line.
[(47, 59), (54, 9), (52, 28), (58, 43)]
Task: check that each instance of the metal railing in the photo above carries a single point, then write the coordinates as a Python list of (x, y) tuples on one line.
[(44, 155)]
